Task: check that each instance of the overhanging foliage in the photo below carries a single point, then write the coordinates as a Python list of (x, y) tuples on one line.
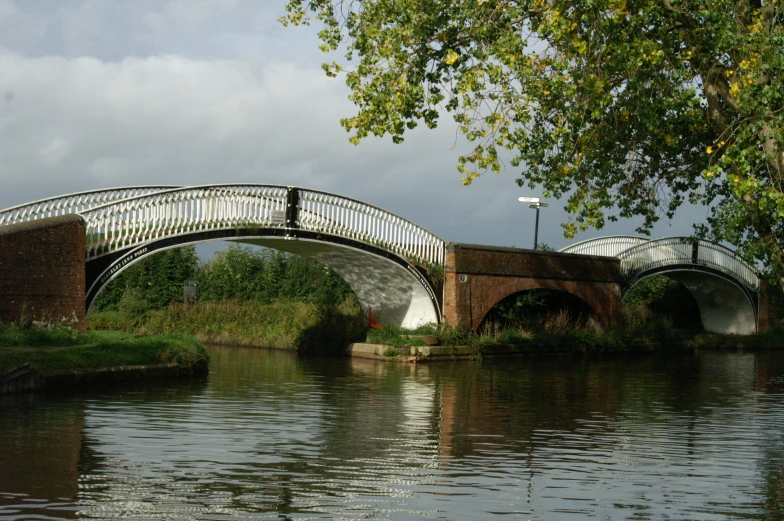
[(625, 107)]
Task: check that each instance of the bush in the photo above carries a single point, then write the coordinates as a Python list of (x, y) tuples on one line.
[(151, 283), (237, 273), (134, 302), (666, 298), (305, 326), (265, 275)]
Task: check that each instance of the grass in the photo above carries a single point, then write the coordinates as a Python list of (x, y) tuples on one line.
[(283, 325), (61, 348), (640, 331), (773, 339), (396, 336), (309, 327)]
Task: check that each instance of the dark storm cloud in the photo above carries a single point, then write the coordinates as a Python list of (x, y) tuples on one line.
[(100, 94)]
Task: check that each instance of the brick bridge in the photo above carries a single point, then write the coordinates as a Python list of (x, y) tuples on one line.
[(57, 254), (479, 277)]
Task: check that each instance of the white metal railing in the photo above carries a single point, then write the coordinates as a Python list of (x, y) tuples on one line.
[(328, 213), (134, 216), (73, 203), (610, 246), (673, 251), (639, 254), (144, 218), (119, 218)]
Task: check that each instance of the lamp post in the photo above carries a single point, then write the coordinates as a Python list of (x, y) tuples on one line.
[(535, 204)]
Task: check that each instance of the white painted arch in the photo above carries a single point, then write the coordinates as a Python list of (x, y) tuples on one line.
[(725, 288), (396, 292), (723, 304), (385, 258)]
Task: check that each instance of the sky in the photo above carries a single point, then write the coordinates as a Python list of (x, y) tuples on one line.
[(103, 93)]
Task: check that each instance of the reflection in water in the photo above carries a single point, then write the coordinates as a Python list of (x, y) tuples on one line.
[(39, 455), (272, 436)]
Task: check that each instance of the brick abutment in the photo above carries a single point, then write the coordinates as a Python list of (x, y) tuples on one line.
[(477, 278), (42, 271)]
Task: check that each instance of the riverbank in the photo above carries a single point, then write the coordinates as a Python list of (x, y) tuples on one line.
[(54, 353), (419, 353), (555, 337), (310, 328), (290, 325)]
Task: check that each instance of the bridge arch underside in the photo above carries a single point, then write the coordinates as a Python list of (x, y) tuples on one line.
[(532, 308), (386, 284), (726, 306), (595, 301)]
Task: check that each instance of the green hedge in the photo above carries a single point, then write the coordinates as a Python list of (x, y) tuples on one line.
[(238, 273)]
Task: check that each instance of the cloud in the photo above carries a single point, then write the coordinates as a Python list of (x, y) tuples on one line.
[(71, 124), (169, 113), (141, 96), (187, 15), (7, 10)]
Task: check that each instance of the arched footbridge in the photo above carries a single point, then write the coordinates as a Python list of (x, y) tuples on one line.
[(726, 289), (399, 270), (386, 259)]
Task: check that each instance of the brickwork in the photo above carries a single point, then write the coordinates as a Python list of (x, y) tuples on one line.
[(477, 278), (42, 271), (768, 315)]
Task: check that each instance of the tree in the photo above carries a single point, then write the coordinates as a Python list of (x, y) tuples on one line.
[(266, 275), (626, 107), (153, 282)]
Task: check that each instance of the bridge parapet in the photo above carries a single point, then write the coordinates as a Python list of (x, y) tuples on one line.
[(683, 251), (147, 217), (337, 215), (73, 203), (605, 246), (144, 218)]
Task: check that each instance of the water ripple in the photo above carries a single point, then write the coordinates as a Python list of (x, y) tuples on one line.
[(271, 436)]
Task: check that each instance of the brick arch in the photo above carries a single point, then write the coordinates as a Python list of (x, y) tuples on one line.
[(477, 277), (485, 295), (520, 285)]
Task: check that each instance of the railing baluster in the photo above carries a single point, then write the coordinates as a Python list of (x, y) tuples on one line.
[(124, 217)]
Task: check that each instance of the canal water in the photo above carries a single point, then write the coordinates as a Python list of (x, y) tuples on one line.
[(269, 435)]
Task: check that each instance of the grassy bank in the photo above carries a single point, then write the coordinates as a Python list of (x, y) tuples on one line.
[(61, 348), (309, 327), (640, 331), (301, 326)]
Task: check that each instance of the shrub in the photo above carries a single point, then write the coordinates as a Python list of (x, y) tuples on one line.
[(153, 282), (265, 275)]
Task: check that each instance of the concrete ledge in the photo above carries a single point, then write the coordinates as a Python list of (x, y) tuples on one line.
[(452, 246), (105, 375), (19, 379), (419, 354), (79, 377)]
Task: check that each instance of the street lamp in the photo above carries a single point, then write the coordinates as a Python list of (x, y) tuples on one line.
[(535, 204)]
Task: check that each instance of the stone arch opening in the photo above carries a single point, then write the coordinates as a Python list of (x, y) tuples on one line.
[(537, 309), (725, 306)]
